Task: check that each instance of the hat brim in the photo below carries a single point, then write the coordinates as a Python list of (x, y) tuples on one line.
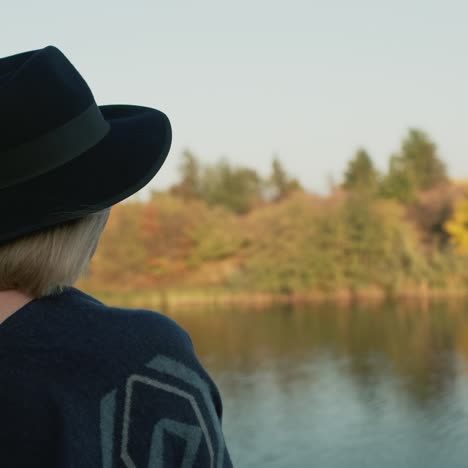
[(123, 162)]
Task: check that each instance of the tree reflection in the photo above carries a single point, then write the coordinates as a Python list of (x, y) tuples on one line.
[(415, 347)]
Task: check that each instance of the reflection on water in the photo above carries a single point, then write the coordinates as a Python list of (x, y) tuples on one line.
[(328, 387)]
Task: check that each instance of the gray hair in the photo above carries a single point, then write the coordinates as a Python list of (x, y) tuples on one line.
[(45, 262)]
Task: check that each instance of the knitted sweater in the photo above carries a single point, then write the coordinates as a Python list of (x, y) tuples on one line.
[(85, 385)]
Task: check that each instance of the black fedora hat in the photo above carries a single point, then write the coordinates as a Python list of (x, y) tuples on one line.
[(62, 156)]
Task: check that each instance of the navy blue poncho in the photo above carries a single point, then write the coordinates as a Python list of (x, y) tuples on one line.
[(86, 385)]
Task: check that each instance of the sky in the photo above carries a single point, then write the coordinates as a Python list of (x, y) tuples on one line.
[(309, 81)]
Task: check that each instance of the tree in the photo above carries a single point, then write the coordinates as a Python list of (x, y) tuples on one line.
[(417, 167), (398, 183), (361, 174), (280, 181), (419, 157), (236, 188), (457, 225), (190, 185), (431, 211)]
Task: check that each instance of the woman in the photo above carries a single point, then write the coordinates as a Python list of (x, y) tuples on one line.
[(83, 384)]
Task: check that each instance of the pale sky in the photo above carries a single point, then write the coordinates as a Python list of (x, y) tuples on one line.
[(309, 80)]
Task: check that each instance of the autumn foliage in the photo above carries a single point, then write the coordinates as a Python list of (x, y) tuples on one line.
[(225, 226)]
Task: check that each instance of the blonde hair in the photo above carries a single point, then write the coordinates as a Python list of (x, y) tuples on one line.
[(45, 262)]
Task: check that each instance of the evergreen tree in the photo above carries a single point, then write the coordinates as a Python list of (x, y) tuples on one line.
[(417, 167), (190, 185), (399, 183), (420, 158), (280, 181), (361, 174)]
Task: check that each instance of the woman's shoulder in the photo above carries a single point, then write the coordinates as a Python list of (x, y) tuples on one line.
[(76, 328), (141, 329), (147, 344), (76, 331)]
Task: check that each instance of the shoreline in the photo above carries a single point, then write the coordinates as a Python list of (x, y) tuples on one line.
[(179, 298)]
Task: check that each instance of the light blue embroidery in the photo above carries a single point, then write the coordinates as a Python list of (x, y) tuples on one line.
[(192, 435), (107, 427), (168, 388), (177, 369)]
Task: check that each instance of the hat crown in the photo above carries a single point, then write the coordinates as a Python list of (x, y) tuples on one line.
[(40, 90)]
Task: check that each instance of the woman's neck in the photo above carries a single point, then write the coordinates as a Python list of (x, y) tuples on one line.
[(11, 301)]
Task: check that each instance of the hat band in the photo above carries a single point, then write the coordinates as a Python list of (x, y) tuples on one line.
[(53, 149)]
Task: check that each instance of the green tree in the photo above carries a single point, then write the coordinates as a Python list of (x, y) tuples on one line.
[(281, 183), (420, 158), (236, 188), (361, 174), (189, 186), (417, 167), (399, 183)]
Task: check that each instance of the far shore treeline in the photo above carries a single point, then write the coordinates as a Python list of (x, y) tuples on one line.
[(222, 227)]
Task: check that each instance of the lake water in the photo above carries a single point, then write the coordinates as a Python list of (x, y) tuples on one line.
[(329, 387)]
